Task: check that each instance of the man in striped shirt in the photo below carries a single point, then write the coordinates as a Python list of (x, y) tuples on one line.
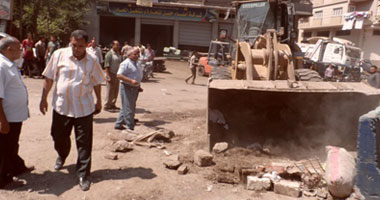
[(76, 74)]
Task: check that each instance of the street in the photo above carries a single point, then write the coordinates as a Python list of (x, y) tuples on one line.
[(166, 102)]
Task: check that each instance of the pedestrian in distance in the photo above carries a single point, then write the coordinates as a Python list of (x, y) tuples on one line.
[(13, 111), (53, 45), (130, 76), (329, 73), (193, 67), (112, 63), (76, 75), (96, 51), (28, 46), (40, 55)]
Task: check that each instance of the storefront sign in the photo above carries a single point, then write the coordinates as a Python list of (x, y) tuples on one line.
[(6, 9), (189, 14)]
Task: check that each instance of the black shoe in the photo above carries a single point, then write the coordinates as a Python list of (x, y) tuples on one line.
[(84, 183), (120, 127), (136, 120), (59, 164)]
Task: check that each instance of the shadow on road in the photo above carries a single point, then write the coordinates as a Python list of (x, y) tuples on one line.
[(142, 110), (104, 120), (57, 182), (153, 123)]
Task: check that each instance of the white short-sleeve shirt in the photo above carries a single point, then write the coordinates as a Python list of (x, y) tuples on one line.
[(75, 80), (13, 91)]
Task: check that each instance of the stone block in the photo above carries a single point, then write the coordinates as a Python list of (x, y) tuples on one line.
[(111, 156), (172, 162), (220, 147), (182, 170), (288, 188), (121, 146), (258, 184), (203, 158)]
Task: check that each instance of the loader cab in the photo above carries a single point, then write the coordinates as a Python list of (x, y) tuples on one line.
[(254, 18)]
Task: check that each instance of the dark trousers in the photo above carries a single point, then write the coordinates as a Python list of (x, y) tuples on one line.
[(11, 164), (41, 65), (61, 131), (28, 68)]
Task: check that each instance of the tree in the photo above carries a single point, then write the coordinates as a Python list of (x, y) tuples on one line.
[(50, 17)]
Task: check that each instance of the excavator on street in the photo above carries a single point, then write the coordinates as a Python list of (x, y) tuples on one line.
[(267, 95)]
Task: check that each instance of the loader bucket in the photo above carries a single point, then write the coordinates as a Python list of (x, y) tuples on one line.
[(243, 112)]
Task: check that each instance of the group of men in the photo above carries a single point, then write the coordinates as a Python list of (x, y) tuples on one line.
[(37, 54), (76, 72)]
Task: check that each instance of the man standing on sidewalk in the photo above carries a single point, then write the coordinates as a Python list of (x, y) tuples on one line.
[(13, 111), (76, 74), (130, 76), (111, 65)]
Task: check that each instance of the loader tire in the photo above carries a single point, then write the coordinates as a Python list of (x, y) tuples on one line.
[(201, 70), (308, 75), (220, 73)]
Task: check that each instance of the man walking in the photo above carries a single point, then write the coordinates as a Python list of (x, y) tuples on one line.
[(13, 111), (111, 66), (130, 76), (76, 74), (193, 67), (93, 49), (53, 45)]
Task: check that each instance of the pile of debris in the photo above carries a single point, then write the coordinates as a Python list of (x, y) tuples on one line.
[(124, 141), (308, 178)]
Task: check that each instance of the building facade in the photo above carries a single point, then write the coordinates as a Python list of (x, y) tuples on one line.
[(353, 20), (186, 24)]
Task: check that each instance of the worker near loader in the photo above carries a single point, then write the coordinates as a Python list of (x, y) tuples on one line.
[(193, 67)]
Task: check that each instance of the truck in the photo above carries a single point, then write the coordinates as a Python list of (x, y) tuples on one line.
[(267, 94), (321, 52)]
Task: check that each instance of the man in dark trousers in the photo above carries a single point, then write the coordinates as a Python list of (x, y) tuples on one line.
[(77, 74), (13, 111)]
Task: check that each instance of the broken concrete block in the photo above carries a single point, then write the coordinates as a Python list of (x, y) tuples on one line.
[(279, 168), (225, 167), (288, 188), (203, 158), (116, 136), (172, 162), (258, 184), (245, 172), (227, 178), (183, 169), (121, 146), (220, 147), (111, 156)]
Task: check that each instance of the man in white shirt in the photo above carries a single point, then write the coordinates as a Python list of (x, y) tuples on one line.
[(76, 74), (94, 50), (13, 111)]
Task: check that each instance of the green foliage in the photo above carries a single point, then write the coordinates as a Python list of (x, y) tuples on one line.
[(50, 17)]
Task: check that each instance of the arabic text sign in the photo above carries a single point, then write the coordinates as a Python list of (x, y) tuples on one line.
[(191, 14)]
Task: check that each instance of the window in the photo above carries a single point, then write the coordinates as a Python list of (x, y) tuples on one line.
[(351, 8), (338, 11), (323, 33), (306, 34), (318, 14), (376, 32), (343, 33)]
